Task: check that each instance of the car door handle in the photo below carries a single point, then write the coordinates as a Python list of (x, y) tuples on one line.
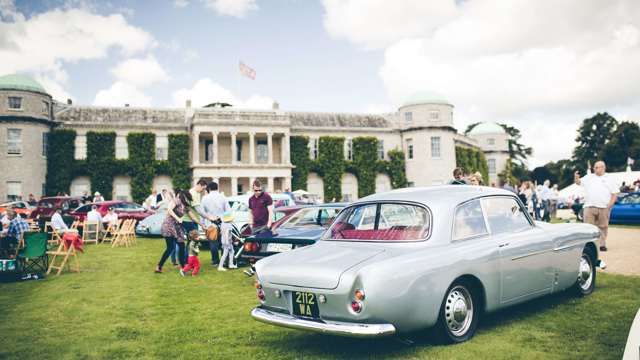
[(503, 245)]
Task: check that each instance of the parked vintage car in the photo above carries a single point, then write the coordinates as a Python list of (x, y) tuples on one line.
[(48, 205), (414, 258), (302, 228), (21, 207), (626, 210), (124, 209)]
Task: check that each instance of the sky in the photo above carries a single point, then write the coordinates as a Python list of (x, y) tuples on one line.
[(539, 65)]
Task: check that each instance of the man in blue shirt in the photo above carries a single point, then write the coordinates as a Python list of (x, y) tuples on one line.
[(14, 233)]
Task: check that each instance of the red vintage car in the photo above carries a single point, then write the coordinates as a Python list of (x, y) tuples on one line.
[(21, 207), (124, 209), (47, 206)]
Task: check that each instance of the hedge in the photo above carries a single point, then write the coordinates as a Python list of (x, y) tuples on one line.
[(365, 161), (472, 160), (101, 165), (331, 161), (300, 160)]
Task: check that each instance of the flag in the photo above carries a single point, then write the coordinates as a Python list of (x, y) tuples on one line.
[(247, 71)]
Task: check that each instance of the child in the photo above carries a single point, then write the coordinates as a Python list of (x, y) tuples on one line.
[(192, 261), (227, 242)]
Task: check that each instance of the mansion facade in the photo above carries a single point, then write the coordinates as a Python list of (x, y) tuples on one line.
[(234, 146)]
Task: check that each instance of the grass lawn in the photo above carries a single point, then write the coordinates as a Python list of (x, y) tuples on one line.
[(118, 308)]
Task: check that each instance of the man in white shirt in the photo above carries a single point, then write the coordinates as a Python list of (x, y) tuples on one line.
[(94, 215), (545, 198), (214, 205), (151, 203), (600, 195), (58, 223), (111, 218)]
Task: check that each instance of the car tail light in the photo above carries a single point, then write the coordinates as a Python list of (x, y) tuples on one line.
[(258, 285), (251, 247), (247, 246), (356, 306), (260, 295), (359, 294)]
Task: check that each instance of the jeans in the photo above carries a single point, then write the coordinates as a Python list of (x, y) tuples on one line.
[(170, 241), (214, 246), (546, 210)]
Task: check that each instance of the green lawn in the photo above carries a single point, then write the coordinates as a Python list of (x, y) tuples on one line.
[(118, 308)]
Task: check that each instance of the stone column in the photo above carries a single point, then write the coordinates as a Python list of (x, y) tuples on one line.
[(270, 148), (270, 185), (287, 183), (284, 147), (196, 147), (215, 147), (234, 151), (234, 186), (252, 148)]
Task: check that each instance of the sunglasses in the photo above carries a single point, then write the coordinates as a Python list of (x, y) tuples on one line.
[(257, 190)]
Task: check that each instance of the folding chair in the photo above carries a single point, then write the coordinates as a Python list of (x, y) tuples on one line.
[(122, 237), (112, 232), (64, 254), (55, 237), (33, 225), (34, 258), (91, 232)]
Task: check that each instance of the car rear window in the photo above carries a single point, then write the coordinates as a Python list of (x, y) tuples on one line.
[(381, 222), (47, 204)]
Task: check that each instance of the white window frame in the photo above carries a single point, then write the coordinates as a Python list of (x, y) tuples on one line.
[(14, 108), (408, 117), (489, 166), (436, 152), (349, 149), (14, 190), (80, 152), (381, 154), (434, 115), (313, 148), (45, 144), (14, 146), (409, 149), (162, 148), (122, 147), (491, 141)]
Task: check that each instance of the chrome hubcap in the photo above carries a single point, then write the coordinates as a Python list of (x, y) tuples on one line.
[(458, 310), (585, 273)]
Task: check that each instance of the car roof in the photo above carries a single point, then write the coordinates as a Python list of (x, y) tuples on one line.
[(438, 196), (60, 198)]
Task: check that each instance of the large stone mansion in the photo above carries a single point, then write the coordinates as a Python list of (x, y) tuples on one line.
[(233, 146)]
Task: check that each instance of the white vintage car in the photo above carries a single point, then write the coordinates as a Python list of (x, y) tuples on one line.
[(412, 259)]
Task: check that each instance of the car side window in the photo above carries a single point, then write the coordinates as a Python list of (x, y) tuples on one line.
[(19, 206), (84, 209), (630, 199), (469, 221), (505, 215)]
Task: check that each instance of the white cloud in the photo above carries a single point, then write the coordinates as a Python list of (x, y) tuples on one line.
[(235, 8), (205, 91), (140, 72), (533, 64), (44, 43), (121, 93), (180, 3)]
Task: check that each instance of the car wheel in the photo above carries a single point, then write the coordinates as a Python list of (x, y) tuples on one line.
[(459, 314), (586, 282)]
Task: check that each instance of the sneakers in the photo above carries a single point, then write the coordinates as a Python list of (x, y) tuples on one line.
[(602, 265), (158, 270), (233, 266), (221, 269), (249, 272), (181, 272), (603, 248)]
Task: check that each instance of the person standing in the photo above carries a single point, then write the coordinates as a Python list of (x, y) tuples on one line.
[(214, 205), (458, 177), (600, 195), (172, 229), (97, 197), (227, 242), (151, 203), (261, 206), (545, 198)]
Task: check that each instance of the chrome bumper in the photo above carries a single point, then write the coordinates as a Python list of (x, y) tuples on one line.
[(325, 327)]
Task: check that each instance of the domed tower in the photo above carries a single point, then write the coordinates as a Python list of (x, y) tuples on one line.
[(494, 142), (428, 135), (26, 117)]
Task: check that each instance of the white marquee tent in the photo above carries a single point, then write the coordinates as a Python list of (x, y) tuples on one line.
[(572, 191)]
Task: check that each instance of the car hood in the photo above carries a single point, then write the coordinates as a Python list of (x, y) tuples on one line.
[(319, 266)]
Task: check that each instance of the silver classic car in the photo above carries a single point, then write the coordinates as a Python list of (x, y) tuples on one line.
[(422, 258)]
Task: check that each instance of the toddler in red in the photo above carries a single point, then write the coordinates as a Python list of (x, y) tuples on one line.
[(193, 263)]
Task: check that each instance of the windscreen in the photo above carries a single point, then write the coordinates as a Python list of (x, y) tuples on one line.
[(311, 217), (381, 222)]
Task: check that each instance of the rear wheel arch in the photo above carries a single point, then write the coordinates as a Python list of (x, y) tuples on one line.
[(593, 251), (478, 288)]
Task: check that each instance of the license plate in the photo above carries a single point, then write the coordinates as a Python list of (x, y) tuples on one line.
[(305, 304), (277, 247)]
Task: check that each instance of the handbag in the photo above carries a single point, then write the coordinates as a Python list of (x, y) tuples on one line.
[(212, 233)]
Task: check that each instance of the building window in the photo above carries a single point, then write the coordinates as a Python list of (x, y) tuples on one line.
[(434, 115), (122, 151), (492, 166), (45, 108), (349, 152), (491, 141), (162, 148), (314, 149), (14, 190), (45, 144), (239, 150), (408, 116), (14, 141), (435, 146), (15, 103), (410, 184), (381, 149), (81, 147), (409, 149), (262, 151)]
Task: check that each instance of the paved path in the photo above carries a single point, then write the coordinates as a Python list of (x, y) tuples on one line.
[(623, 255)]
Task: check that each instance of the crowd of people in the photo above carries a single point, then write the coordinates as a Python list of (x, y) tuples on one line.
[(204, 207)]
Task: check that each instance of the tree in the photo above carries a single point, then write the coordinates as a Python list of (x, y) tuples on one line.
[(518, 153), (624, 143), (594, 133), (470, 127)]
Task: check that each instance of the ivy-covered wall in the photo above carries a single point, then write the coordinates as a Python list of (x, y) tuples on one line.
[(101, 165), (331, 164), (472, 160)]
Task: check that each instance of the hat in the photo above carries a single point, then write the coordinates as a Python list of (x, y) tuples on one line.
[(227, 216), (97, 193)]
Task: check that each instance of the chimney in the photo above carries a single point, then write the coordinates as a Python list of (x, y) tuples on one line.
[(69, 102), (188, 103), (275, 106)]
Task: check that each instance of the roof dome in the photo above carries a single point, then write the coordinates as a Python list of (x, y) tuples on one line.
[(20, 82), (487, 128), (426, 97)]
